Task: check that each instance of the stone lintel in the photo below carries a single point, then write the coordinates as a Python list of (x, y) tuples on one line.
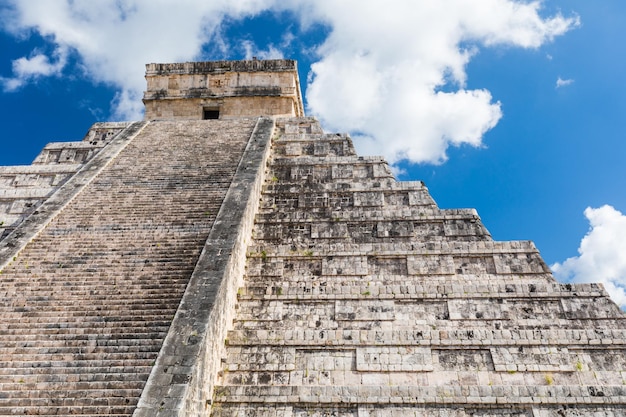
[(220, 67)]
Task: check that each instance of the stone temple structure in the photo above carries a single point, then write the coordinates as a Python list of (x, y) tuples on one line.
[(227, 257)]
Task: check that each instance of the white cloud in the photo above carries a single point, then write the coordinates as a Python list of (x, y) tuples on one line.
[(562, 83), (602, 254), (36, 66), (115, 39), (381, 72), (252, 51)]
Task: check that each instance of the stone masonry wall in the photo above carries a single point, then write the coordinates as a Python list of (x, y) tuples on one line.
[(237, 88), (363, 298), (359, 297), (229, 107)]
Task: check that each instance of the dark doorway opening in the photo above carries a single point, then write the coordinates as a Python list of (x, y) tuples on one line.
[(209, 114)]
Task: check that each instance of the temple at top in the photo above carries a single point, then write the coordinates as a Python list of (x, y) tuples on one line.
[(222, 90), (227, 257)]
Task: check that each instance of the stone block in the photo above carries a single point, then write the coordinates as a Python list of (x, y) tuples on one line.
[(393, 359), (369, 199), (589, 308), (345, 265), (342, 171), (474, 265), (519, 263), (293, 149), (535, 359), (395, 228), (329, 230), (259, 266), (364, 310), (430, 265)]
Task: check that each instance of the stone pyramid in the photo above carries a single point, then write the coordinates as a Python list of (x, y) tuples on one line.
[(227, 257)]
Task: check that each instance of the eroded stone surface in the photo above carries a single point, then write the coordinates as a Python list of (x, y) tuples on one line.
[(223, 89), (363, 298), (344, 291)]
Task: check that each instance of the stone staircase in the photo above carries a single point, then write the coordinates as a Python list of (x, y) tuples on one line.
[(363, 298), (24, 188), (85, 306)]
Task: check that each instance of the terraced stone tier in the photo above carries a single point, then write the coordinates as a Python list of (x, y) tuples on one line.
[(24, 188), (87, 303), (363, 298)]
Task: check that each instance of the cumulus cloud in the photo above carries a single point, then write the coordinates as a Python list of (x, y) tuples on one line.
[(115, 39), (395, 75), (562, 83), (252, 51), (36, 66), (383, 71), (602, 254)]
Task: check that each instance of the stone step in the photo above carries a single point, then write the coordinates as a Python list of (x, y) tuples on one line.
[(358, 205), (424, 335), (104, 338), (80, 366), (433, 248), (86, 406), (260, 287), (372, 228), (37, 170), (97, 329), (347, 215), (92, 327), (119, 293), (427, 376), (10, 194), (18, 351), (439, 322), (405, 309), (392, 365), (96, 302), (52, 389), (309, 262), (48, 345), (49, 411), (75, 373), (84, 353), (278, 161), (416, 395), (411, 191), (438, 410)]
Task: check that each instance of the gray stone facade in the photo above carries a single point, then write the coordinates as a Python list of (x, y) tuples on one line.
[(259, 267), (363, 298)]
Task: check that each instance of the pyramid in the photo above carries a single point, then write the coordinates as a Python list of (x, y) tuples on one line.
[(227, 257)]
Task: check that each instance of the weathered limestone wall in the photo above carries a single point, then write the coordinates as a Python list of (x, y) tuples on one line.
[(236, 88), (362, 298), (185, 267), (229, 107)]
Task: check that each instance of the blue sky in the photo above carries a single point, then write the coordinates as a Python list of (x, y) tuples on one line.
[(514, 108)]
